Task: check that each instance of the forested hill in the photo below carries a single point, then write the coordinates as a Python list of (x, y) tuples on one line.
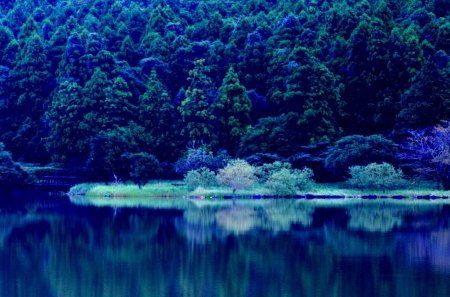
[(84, 79)]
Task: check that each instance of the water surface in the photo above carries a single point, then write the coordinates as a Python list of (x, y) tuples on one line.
[(50, 247)]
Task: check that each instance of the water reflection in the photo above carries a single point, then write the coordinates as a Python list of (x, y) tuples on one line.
[(280, 248)]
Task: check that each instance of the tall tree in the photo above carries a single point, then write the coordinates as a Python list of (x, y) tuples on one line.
[(33, 86), (69, 136), (195, 109), (158, 116), (427, 101), (232, 110)]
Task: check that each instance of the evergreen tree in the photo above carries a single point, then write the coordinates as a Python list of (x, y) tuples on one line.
[(96, 91), (195, 109), (28, 29), (312, 92), (32, 88), (69, 137), (157, 115), (427, 102), (232, 110), (33, 76), (6, 35), (118, 108)]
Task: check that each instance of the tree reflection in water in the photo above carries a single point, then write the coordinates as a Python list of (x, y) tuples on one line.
[(278, 248)]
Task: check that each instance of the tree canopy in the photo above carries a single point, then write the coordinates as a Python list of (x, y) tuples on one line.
[(246, 76)]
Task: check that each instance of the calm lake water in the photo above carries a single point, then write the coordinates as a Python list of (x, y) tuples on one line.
[(51, 247)]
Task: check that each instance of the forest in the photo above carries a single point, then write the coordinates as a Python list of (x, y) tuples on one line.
[(112, 86)]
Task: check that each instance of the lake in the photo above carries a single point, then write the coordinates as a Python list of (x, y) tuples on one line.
[(52, 247)]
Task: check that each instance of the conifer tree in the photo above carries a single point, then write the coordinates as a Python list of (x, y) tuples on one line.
[(118, 108), (32, 74), (96, 91), (232, 110), (69, 134), (195, 109), (157, 116)]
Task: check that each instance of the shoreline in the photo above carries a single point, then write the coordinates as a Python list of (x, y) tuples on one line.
[(165, 192)]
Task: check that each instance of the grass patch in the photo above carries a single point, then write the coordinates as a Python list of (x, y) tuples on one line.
[(153, 189), (153, 202), (341, 189), (174, 195)]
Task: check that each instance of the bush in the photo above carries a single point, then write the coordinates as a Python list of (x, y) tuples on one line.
[(197, 158), (266, 170), (237, 175), (288, 182), (376, 176), (11, 174), (282, 182), (260, 159), (358, 150), (202, 177), (304, 178)]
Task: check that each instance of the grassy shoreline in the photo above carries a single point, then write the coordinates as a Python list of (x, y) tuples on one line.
[(171, 194)]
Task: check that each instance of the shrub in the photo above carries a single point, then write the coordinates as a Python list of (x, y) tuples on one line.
[(237, 175), (282, 182), (287, 182), (260, 159), (376, 176), (266, 170), (11, 174), (196, 158), (358, 150), (304, 178), (202, 177)]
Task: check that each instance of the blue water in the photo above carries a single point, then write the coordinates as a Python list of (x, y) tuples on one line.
[(50, 247)]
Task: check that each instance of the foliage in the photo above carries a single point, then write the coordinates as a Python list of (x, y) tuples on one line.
[(264, 171), (197, 158), (304, 178), (202, 177), (376, 176), (195, 109), (107, 150), (358, 150), (429, 151), (143, 167), (232, 110), (11, 174), (252, 77), (237, 175), (270, 135), (157, 115), (282, 182)]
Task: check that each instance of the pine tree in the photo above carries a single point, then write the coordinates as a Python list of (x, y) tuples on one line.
[(69, 136), (157, 116), (32, 88), (195, 109), (32, 73), (96, 91), (118, 108), (427, 101), (232, 111)]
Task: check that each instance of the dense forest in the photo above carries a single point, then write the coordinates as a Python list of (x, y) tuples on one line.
[(114, 84)]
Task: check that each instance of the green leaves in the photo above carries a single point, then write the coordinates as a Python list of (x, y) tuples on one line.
[(195, 109), (376, 176), (232, 110)]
